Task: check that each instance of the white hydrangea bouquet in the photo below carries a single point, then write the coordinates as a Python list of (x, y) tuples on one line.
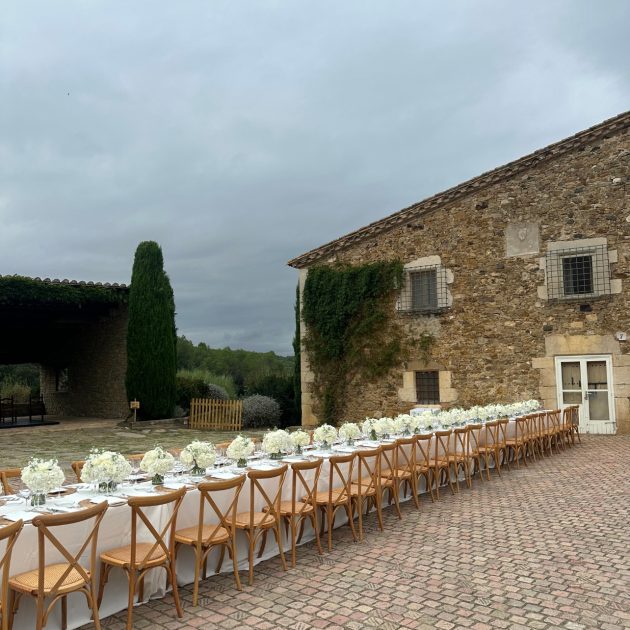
[(403, 424), (349, 432), (368, 428), (240, 449), (300, 439), (106, 468), (157, 462), (198, 456), (41, 476), (276, 443), (325, 434), (383, 427)]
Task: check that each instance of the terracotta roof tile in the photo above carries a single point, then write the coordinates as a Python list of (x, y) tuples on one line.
[(81, 283)]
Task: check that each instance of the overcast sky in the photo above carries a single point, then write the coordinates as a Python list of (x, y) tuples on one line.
[(239, 134)]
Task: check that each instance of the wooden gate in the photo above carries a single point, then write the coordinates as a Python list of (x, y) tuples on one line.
[(220, 415)]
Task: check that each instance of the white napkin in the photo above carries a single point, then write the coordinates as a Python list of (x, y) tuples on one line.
[(176, 485), (110, 500), (293, 460), (224, 474), (57, 490)]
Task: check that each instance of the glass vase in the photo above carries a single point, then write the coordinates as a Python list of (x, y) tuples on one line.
[(38, 499), (197, 471), (325, 446), (156, 480), (275, 456), (241, 463)]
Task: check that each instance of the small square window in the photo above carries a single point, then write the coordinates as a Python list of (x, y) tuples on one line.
[(424, 290), (577, 275), (428, 387)]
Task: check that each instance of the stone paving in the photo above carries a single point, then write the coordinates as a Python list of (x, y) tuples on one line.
[(542, 547)]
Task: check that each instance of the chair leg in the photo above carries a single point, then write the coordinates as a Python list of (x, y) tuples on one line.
[(293, 539), (131, 576), (497, 461), (350, 514), (104, 575), (360, 513), (64, 612), (198, 561), (316, 530), (378, 501), (278, 535), (40, 614), (237, 577), (170, 570), (92, 604), (263, 544), (221, 558)]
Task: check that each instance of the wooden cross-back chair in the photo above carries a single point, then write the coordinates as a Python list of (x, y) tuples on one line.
[(458, 455), (389, 472), (338, 495), (50, 583), (366, 490), (8, 536), (302, 505), (517, 446), (5, 475), (571, 424), (256, 523), (204, 537), (555, 429), (501, 457), (490, 447), (423, 455), (405, 472), (440, 462), (138, 558)]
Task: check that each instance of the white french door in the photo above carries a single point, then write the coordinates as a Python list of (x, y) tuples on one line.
[(587, 381)]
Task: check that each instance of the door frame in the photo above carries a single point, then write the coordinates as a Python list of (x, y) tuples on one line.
[(586, 424)]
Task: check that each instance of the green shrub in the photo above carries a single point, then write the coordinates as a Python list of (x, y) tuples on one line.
[(281, 389), (187, 388), (19, 390), (224, 381), (217, 392), (151, 338), (260, 411)]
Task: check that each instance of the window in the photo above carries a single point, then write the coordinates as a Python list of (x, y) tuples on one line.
[(424, 289), (61, 380), (428, 387), (577, 270), (577, 275)]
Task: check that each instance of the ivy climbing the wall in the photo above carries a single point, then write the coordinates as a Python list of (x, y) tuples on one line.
[(348, 313)]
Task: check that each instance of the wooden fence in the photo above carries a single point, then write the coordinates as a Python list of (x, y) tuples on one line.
[(222, 415)]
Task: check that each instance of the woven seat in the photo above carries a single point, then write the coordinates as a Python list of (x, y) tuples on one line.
[(286, 507), (367, 490), (189, 535), (337, 495), (259, 519), (28, 582), (121, 557)]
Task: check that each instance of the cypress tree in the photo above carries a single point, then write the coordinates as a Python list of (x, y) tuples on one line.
[(297, 354), (151, 335)]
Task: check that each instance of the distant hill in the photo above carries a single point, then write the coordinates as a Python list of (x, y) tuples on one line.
[(243, 366)]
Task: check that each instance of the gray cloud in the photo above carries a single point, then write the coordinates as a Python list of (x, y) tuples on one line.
[(240, 134)]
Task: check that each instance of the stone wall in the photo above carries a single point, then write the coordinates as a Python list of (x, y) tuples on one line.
[(95, 356), (496, 341)]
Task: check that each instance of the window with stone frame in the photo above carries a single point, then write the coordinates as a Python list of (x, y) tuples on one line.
[(573, 273), (428, 387), (424, 289)]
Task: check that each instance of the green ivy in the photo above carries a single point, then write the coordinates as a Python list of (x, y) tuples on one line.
[(21, 291), (297, 366), (350, 333)]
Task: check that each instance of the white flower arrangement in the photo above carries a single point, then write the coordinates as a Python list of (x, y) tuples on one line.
[(403, 424), (349, 431), (157, 462), (300, 439), (277, 442), (240, 448), (105, 466), (198, 455), (368, 426), (326, 434), (41, 476), (383, 426)]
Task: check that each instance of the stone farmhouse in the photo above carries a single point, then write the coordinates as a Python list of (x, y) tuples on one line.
[(77, 333), (520, 278)]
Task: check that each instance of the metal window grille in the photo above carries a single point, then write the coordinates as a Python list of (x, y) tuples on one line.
[(578, 273), (423, 291), (428, 387)]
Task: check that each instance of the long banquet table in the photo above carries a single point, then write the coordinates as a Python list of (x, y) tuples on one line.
[(115, 531)]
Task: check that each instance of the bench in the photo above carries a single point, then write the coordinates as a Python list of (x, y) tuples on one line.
[(10, 410)]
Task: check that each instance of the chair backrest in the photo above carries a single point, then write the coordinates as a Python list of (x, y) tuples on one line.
[(389, 457), (474, 437), (8, 536), (77, 467), (340, 476), (521, 429), (406, 454), (45, 524), (423, 449), (492, 433), (271, 499), (502, 431), (5, 475), (214, 494), (553, 419), (459, 443), (369, 470), (442, 444), (138, 507), (302, 487)]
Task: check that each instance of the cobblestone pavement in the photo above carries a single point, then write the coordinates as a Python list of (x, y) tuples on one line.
[(542, 547), (72, 439)]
